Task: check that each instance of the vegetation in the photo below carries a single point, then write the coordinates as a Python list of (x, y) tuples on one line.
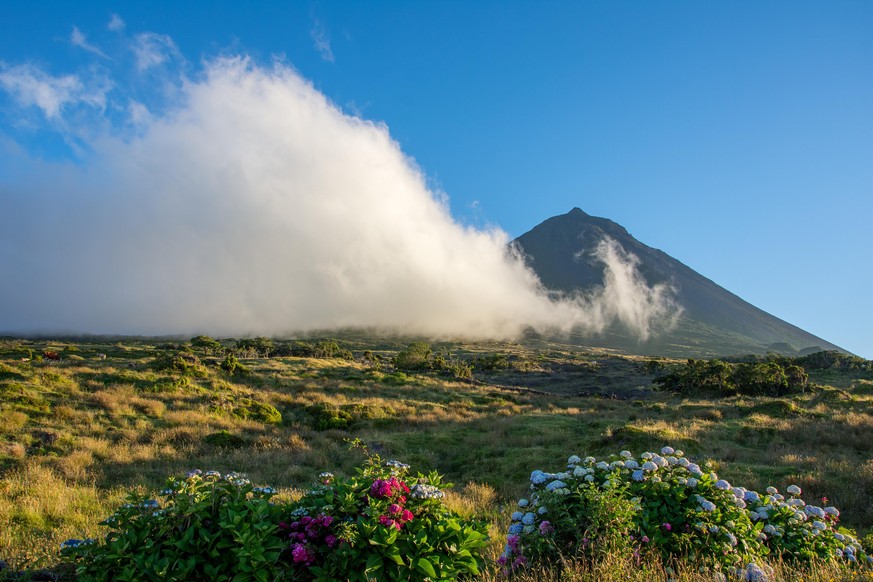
[(79, 434), (720, 378)]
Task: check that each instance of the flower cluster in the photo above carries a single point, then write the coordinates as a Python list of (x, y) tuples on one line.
[(675, 508), (306, 534), (391, 488)]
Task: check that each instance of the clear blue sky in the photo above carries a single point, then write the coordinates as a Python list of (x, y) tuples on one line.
[(735, 136)]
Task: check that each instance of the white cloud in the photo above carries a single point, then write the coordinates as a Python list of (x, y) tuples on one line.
[(258, 206), (116, 24), (152, 49), (321, 41), (31, 86), (77, 38)]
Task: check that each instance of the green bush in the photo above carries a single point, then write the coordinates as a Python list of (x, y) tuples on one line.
[(374, 526), (670, 508), (327, 416), (224, 439), (208, 527), (416, 356)]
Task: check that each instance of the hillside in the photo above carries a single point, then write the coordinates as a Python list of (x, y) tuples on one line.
[(714, 321)]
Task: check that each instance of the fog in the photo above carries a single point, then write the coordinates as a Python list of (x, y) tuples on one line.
[(253, 205)]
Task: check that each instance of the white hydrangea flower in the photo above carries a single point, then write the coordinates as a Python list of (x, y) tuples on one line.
[(557, 484), (683, 462), (617, 464), (574, 460), (589, 478), (832, 511), (649, 466), (819, 525), (646, 456), (631, 464), (694, 469), (579, 472), (667, 450), (707, 506), (589, 460), (672, 460), (722, 484), (769, 529), (752, 497), (692, 482), (625, 454), (740, 503), (679, 453), (794, 490), (772, 490), (602, 465)]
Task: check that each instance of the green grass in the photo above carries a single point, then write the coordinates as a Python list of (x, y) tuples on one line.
[(75, 434)]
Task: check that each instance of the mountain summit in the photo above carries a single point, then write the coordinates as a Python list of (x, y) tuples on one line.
[(714, 320)]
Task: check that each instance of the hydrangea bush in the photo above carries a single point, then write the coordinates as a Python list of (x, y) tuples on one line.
[(207, 526), (382, 524), (665, 505)]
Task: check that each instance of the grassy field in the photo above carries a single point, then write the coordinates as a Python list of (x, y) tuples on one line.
[(78, 432)]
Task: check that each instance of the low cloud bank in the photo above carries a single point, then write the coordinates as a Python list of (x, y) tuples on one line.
[(254, 205)]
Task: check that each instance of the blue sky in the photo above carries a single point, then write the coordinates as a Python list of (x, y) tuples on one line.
[(737, 137)]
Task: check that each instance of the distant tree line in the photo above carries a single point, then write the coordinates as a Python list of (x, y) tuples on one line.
[(721, 378)]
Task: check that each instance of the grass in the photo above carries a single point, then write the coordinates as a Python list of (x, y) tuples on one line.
[(75, 434)]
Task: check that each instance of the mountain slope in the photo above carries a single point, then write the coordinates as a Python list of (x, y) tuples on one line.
[(714, 321)]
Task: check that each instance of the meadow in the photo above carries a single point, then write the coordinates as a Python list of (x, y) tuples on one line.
[(83, 422)]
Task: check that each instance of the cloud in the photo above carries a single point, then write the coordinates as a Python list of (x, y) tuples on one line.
[(30, 86), (116, 24), (77, 38), (152, 49), (257, 206), (321, 41)]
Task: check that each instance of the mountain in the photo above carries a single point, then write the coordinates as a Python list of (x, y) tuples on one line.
[(714, 321)]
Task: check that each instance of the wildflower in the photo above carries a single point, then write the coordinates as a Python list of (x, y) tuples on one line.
[(794, 489), (325, 477)]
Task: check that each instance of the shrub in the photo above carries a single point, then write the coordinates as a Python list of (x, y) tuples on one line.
[(416, 356), (327, 416), (224, 439), (208, 527), (184, 363), (382, 525), (670, 508)]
